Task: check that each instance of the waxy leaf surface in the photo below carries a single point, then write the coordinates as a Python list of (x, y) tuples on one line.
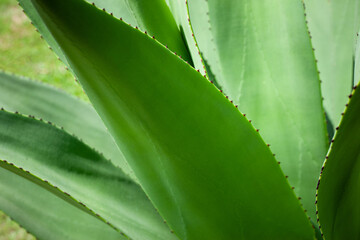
[(201, 163)]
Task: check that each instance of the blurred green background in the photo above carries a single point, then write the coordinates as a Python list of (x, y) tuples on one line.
[(23, 52)]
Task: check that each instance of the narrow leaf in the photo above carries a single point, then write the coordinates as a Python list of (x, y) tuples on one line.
[(338, 200), (200, 21), (75, 116), (261, 55), (181, 15), (65, 162), (45, 215), (200, 161), (333, 26)]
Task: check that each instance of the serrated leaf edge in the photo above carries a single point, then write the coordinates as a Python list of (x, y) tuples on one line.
[(83, 206), (204, 76), (60, 127), (327, 155), (54, 190)]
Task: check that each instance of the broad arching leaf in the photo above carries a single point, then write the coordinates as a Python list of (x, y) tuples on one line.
[(202, 164)]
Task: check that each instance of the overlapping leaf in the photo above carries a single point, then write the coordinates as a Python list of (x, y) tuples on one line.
[(181, 15), (77, 117), (333, 26), (339, 186), (199, 160), (261, 55), (65, 162), (151, 16), (46, 215)]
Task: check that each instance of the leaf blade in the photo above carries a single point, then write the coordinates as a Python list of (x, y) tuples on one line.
[(31, 200), (64, 161), (333, 26), (179, 10), (76, 116), (261, 55), (338, 192), (164, 164), (155, 18)]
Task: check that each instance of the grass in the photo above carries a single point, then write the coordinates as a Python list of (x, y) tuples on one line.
[(10, 230), (23, 52)]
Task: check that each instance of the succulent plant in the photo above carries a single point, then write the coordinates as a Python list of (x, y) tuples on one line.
[(166, 150)]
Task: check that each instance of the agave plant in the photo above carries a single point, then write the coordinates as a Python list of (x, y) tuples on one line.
[(182, 89)]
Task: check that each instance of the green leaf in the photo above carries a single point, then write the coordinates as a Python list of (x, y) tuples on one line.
[(200, 161), (200, 21), (333, 26), (64, 161), (45, 215), (122, 9), (261, 55), (151, 16), (338, 193), (46, 102), (181, 15)]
